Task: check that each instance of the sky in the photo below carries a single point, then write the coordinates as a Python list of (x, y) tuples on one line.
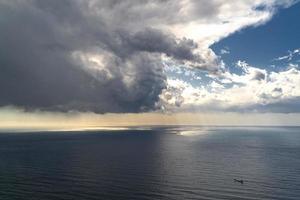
[(138, 62)]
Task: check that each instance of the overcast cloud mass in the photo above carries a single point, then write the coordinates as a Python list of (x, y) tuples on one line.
[(114, 55)]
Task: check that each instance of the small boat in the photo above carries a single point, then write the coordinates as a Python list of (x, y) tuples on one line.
[(241, 181)]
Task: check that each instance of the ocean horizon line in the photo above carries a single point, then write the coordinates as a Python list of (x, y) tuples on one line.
[(131, 128)]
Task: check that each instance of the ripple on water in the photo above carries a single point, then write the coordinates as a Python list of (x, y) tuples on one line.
[(151, 165)]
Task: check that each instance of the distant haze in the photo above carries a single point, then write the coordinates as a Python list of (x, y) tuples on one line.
[(12, 118)]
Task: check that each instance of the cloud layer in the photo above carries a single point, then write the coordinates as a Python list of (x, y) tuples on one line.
[(108, 55), (254, 89)]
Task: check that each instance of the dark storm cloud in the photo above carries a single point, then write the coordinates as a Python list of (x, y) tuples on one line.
[(152, 40), (38, 69)]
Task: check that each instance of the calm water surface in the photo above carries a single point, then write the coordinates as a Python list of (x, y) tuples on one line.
[(159, 163)]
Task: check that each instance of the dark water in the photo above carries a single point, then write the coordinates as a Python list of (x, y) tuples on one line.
[(162, 163)]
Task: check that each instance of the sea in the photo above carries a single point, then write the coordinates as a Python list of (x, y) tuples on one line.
[(159, 162)]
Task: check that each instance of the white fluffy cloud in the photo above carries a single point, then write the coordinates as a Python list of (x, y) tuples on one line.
[(289, 57), (253, 90)]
